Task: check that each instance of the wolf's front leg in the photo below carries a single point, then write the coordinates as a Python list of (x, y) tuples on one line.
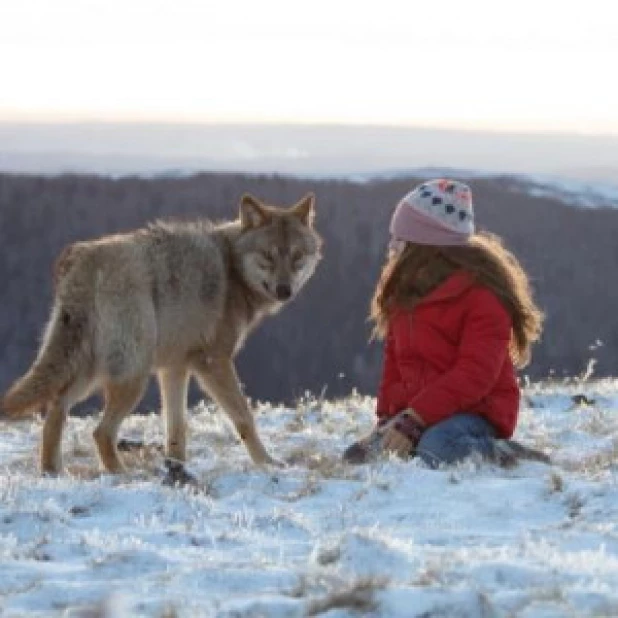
[(218, 377), (173, 383)]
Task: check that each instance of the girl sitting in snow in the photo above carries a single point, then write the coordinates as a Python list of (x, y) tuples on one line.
[(457, 313)]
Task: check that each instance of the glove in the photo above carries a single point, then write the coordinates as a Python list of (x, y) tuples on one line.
[(367, 448), (403, 433)]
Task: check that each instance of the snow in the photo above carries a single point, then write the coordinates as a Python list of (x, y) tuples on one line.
[(570, 191), (318, 537)]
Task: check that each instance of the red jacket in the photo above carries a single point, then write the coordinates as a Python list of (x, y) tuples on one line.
[(450, 354)]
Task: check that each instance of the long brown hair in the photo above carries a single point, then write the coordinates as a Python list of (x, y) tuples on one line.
[(413, 272)]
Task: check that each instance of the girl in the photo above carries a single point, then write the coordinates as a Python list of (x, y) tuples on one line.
[(457, 313)]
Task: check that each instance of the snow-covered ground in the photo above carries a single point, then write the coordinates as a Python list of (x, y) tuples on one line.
[(319, 537)]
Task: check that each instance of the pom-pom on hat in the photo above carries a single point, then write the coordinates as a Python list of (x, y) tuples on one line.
[(437, 212)]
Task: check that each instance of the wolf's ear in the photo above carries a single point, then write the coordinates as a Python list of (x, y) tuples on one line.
[(305, 209), (252, 212)]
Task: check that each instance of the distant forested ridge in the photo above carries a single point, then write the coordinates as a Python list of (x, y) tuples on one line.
[(320, 341)]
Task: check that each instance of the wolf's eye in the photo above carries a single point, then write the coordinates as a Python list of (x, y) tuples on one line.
[(267, 260), (297, 259)]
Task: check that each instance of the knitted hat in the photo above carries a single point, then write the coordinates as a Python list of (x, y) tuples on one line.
[(437, 212)]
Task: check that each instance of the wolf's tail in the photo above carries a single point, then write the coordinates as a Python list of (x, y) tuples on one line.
[(56, 366)]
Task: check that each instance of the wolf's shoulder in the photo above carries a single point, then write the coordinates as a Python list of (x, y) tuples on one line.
[(185, 244)]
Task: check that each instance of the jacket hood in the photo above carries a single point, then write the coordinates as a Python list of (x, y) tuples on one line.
[(455, 285)]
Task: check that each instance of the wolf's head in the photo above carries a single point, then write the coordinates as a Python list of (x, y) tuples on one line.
[(278, 248)]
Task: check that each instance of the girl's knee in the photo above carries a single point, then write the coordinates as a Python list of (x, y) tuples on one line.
[(435, 446), (454, 440)]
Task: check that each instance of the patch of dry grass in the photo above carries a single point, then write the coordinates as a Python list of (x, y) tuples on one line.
[(357, 595), (555, 483), (324, 465), (595, 462)]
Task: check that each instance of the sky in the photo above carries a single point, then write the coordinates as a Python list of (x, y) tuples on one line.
[(540, 66)]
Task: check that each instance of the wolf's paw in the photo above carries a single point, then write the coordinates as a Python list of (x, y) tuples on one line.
[(273, 462), (128, 445), (51, 473), (177, 475)]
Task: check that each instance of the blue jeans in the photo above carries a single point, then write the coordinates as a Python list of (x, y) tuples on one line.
[(456, 438)]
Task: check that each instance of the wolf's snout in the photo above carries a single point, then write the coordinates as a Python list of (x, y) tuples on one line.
[(283, 291)]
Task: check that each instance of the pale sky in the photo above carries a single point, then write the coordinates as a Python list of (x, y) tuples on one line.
[(530, 65)]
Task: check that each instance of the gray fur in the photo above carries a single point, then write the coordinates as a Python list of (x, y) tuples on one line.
[(177, 299)]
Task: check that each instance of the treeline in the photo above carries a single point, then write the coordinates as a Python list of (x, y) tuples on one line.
[(321, 340)]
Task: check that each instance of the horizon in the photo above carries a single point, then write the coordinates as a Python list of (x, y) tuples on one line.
[(121, 148), (337, 124)]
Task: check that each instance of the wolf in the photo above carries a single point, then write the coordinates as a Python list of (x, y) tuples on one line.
[(174, 299)]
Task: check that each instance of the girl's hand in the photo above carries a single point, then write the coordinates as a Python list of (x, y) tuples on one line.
[(395, 442), (410, 413), (402, 434)]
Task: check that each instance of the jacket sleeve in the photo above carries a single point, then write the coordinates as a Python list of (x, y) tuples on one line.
[(392, 396), (481, 354)]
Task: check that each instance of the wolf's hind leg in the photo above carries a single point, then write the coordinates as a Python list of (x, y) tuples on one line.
[(55, 420), (173, 383), (218, 377), (51, 442), (120, 399)]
